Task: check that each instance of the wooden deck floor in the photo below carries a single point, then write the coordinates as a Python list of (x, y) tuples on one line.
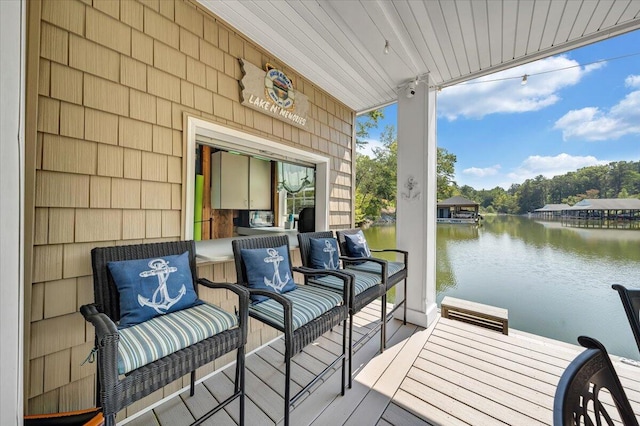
[(449, 374)]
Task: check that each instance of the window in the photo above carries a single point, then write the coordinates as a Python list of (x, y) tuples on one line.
[(230, 139)]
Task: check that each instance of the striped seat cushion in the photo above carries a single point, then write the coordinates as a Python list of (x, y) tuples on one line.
[(309, 302), (163, 335), (376, 268), (364, 281)]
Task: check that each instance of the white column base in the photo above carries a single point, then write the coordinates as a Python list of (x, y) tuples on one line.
[(422, 319)]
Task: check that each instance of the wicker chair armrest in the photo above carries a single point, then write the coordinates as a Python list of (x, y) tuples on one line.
[(362, 259), (347, 278), (90, 309), (383, 263), (286, 305), (107, 338), (403, 252), (103, 324), (243, 300)]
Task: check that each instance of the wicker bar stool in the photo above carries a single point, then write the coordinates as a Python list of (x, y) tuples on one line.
[(288, 311), (116, 389)]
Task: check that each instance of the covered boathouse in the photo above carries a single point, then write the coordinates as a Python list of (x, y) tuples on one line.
[(604, 209), (457, 210)]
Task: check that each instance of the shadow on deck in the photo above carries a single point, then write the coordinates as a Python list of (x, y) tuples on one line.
[(449, 374)]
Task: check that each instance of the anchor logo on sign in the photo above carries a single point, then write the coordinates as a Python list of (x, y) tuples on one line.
[(276, 282), (160, 301), (328, 248)]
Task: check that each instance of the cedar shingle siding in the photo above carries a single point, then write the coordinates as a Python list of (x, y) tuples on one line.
[(114, 79)]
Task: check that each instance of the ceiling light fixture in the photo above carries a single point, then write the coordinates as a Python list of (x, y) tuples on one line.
[(386, 47), (524, 80)]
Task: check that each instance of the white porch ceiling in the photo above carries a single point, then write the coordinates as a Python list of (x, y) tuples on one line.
[(338, 44)]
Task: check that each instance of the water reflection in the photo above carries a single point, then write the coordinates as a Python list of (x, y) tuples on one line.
[(446, 238), (555, 280)]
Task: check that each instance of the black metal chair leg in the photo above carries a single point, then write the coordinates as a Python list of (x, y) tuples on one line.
[(344, 353), (192, 391), (287, 388), (110, 420), (350, 351), (404, 308), (383, 325), (240, 378)]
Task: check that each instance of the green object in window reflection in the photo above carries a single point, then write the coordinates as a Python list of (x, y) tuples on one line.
[(197, 210)]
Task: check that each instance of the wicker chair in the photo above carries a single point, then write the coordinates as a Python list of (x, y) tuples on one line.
[(114, 393), (295, 339), (631, 302), (357, 299), (389, 279), (577, 400)]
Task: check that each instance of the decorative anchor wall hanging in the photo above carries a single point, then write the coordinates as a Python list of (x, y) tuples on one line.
[(412, 185), (276, 282), (160, 301)]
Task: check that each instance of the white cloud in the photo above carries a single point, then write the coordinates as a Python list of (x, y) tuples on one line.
[(532, 166), (548, 166), (502, 92), (482, 172), (368, 148), (594, 66), (632, 81), (594, 124)]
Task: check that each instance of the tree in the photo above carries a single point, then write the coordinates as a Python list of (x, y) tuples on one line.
[(445, 170), (366, 122), (376, 178)]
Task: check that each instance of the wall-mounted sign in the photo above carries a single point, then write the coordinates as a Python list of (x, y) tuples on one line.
[(271, 92)]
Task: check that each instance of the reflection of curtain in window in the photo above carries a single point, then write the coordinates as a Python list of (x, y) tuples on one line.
[(294, 178)]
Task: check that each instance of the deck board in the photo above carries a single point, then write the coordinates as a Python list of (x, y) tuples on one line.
[(395, 415), (342, 409), (452, 373), (221, 387), (174, 412)]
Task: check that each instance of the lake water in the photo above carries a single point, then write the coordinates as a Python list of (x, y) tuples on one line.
[(555, 280)]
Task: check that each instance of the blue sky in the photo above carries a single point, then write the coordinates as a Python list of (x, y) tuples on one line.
[(503, 132)]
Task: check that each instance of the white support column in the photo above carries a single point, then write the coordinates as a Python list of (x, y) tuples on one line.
[(416, 224)]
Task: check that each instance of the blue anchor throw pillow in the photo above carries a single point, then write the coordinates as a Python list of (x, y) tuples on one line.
[(324, 253), (357, 245), (152, 287), (268, 269)]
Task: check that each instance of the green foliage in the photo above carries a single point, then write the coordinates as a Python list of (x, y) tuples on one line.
[(376, 180), (446, 163), (365, 123), (615, 180)]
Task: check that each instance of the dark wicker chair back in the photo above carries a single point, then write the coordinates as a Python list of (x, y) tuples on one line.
[(577, 396), (631, 302), (342, 239), (304, 243), (115, 392)]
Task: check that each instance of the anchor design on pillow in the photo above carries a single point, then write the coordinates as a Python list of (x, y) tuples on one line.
[(363, 241), (160, 301), (276, 282), (330, 249)]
